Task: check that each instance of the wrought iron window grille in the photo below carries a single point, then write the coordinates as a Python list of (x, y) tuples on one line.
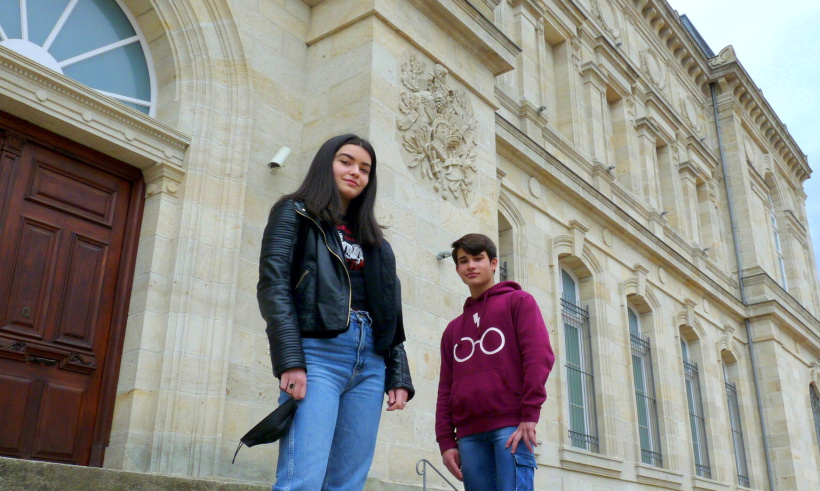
[(583, 431), (697, 420), (645, 399), (737, 435)]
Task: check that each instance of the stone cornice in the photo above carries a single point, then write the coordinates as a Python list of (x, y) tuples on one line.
[(726, 70), (733, 79), (615, 217), (536, 7), (460, 19), (65, 106), (659, 17), (766, 297)]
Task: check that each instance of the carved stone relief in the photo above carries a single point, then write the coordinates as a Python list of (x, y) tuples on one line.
[(652, 67), (690, 114), (606, 14), (726, 55), (440, 130), (749, 150)]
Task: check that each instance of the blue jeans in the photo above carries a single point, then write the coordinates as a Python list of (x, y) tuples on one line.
[(331, 443), (488, 466)]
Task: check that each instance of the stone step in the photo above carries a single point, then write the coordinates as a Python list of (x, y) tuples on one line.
[(32, 475)]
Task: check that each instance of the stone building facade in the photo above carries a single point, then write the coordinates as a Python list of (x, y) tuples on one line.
[(640, 186)]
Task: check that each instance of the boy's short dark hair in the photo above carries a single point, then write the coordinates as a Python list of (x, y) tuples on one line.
[(474, 244)]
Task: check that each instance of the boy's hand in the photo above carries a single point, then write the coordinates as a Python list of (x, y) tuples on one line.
[(452, 461), (525, 433)]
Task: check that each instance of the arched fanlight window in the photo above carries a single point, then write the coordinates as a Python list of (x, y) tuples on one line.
[(95, 42)]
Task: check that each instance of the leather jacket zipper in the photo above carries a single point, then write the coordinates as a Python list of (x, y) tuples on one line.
[(344, 266), (302, 278)]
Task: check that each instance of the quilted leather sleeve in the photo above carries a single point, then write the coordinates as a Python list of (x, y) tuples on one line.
[(397, 373), (274, 289)]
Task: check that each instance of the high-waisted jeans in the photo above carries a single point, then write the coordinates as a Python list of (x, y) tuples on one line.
[(331, 442)]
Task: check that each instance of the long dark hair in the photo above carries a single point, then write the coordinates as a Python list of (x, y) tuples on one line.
[(321, 196)]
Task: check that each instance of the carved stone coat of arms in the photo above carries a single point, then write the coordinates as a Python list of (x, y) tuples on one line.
[(439, 128)]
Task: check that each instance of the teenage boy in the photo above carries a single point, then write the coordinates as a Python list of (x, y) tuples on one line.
[(495, 360)]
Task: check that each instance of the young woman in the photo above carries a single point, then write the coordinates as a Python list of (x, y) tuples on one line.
[(329, 293)]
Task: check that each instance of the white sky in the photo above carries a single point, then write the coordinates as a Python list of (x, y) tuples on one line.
[(778, 43)]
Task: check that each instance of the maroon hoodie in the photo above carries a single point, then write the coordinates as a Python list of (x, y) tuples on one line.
[(495, 360)]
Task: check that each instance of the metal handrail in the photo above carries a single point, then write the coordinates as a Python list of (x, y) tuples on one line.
[(423, 473)]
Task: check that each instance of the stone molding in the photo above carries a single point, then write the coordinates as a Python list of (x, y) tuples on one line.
[(163, 178), (656, 476), (590, 463), (65, 106)]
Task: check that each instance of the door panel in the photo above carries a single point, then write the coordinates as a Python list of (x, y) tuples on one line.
[(56, 437), (31, 270), (54, 184), (68, 231), (16, 394), (83, 292)]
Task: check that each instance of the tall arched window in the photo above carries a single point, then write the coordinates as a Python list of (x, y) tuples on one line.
[(95, 42), (648, 429), (506, 247), (697, 420), (583, 425), (735, 421), (815, 410), (781, 268)]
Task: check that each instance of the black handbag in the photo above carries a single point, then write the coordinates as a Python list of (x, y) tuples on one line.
[(273, 427)]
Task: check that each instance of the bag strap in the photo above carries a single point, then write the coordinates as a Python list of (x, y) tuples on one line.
[(237, 451)]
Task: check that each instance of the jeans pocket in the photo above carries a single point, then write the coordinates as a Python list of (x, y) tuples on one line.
[(524, 472)]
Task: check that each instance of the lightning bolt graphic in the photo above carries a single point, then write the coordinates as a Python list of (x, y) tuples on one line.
[(476, 319)]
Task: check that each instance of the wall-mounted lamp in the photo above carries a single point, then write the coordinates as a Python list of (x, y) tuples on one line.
[(443, 254), (278, 160), (541, 109)]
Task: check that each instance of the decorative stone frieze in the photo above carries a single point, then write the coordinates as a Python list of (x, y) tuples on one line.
[(440, 130)]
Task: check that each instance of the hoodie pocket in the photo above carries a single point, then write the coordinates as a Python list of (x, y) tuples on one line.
[(482, 393)]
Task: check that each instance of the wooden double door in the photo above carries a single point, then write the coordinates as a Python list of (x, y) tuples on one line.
[(69, 223)]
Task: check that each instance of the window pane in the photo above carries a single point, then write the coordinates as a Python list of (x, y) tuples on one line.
[(75, 38), (42, 17), (569, 287), (10, 18), (105, 72), (634, 327)]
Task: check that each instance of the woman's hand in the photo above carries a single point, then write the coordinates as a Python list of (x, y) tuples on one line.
[(294, 382), (396, 398)]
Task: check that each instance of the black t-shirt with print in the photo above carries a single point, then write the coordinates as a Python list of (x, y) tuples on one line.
[(354, 259)]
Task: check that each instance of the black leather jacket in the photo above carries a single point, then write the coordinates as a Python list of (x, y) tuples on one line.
[(304, 291)]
